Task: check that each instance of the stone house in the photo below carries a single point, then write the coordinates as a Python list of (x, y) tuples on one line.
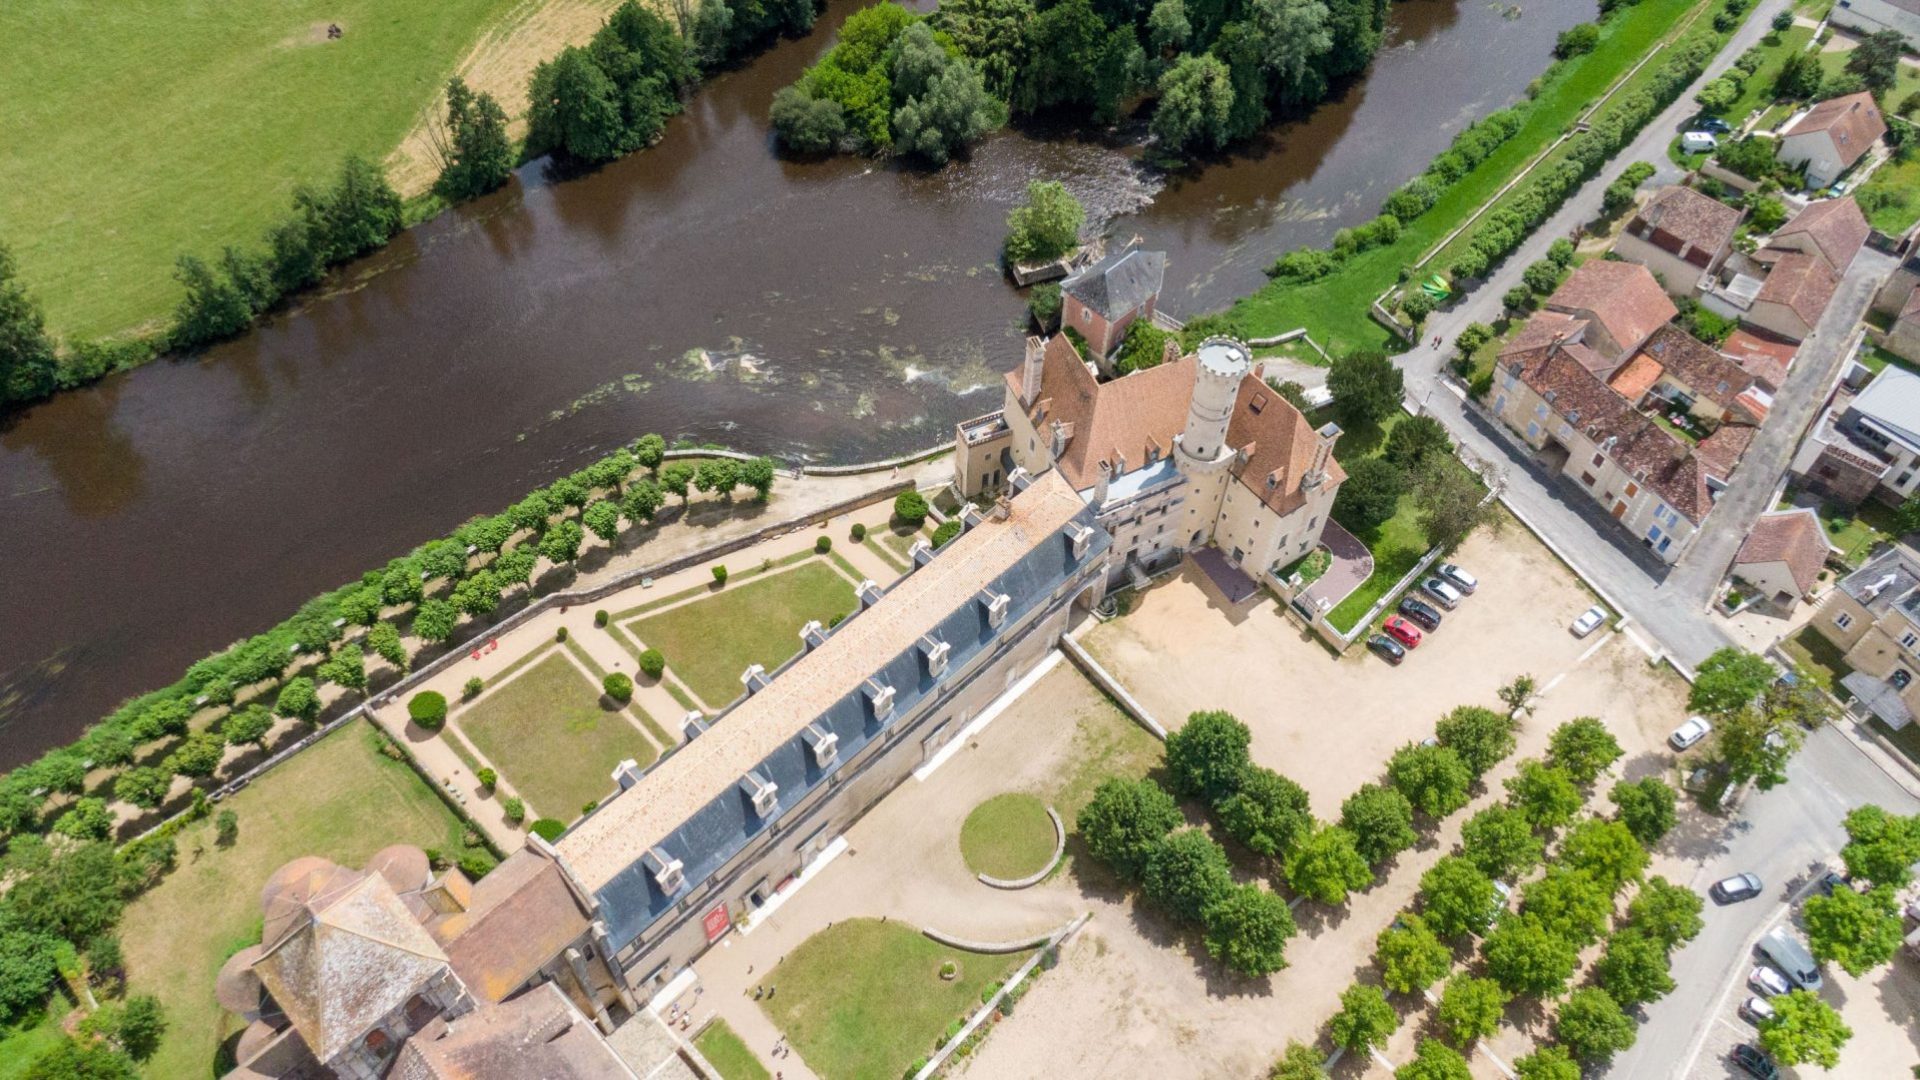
[(1618, 306), (1681, 235), (1103, 300), (1679, 369), (1873, 618), (1830, 137), (1903, 339), (1782, 289), (1867, 444), (1782, 555)]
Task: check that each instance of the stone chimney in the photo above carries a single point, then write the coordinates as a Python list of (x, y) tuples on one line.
[(1322, 455), (1100, 486), (1030, 370), (1061, 435)]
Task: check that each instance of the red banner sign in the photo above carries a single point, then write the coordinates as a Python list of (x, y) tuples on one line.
[(718, 922)]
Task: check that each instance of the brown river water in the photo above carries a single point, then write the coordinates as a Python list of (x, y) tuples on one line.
[(854, 310)]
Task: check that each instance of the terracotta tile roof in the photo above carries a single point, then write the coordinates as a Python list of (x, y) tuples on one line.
[(1764, 356), (1127, 417), (1624, 297), (1722, 450), (518, 917), (1574, 393), (1833, 228), (1695, 363), (1801, 283), (1280, 444), (1544, 328), (1853, 122), (1757, 402), (1793, 537), (1689, 216), (1637, 377)]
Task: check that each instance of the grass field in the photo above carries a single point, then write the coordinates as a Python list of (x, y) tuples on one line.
[(709, 643), (1008, 837), (136, 132), (728, 1052), (862, 999), (340, 799), (551, 736), (30, 1037), (1334, 310), (1757, 91), (1891, 196)]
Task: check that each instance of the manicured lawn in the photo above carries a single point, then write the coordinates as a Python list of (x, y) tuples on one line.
[(551, 733), (899, 539), (863, 999), (1334, 310), (137, 132), (1870, 525), (1757, 91), (1906, 82), (1396, 547), (728, 1052), (340, 799), (1891, 196), (1817, 658), (709, 643), (1008, 837)]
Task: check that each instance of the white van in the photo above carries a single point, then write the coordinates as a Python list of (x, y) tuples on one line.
[(1698, 142), (1790, 956)]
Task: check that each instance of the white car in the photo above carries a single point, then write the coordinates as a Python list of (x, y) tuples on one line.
[(1757, 1009), (1690, 733), (1767, 982), (1589, 621)]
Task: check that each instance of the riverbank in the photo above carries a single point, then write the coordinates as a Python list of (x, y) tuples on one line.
[(1334, 310)]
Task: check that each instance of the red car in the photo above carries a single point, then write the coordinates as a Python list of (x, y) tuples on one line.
[(1403, 631)]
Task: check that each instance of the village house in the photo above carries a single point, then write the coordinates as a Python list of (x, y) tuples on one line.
[(1870, 16), (1761, 355), (1784, 288), (1903, 338), (1830, 137), (1782, 556), (1102, 301), (1866, 444), (1680, 370), (1681, 235), (1611, 309), (1873, 617)]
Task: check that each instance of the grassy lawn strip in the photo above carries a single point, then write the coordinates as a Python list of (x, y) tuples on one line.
[(697, 590), (1396, 548), (1893, 194), (1334, 310), (339, 799), (900, 540), (1818, 659), (863, 999), (1008, 837), (886, 556), (710, 642), (587, 661), (139, 132), (30, 1037), (1757, 91), (1876, 359), (728, 1052), (551, 735)]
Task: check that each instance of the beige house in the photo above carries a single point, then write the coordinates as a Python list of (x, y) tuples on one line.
[(1782, 555), (1678, 369), (1782, 289), (1832, 136), (1873, 617), (1681, 236)]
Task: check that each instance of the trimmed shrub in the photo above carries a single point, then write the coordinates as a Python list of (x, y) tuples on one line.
[(858, 532), (652, 663), (822, 545), (945, 533), (600, 617), (428, 708), (472, 689), (910, 508), (548, 829), (720, 575), (487, 777), (560, 634), (514, 809), (619, 687)]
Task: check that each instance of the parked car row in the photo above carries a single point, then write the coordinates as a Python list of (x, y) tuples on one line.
[(1420, 615)]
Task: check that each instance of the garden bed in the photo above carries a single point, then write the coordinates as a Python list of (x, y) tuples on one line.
[(553, 735)]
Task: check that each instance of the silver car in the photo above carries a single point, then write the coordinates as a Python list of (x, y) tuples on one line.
[(1445, 594), (1757, 1010), (1589, 621), (1767, 982), (1457, 577)]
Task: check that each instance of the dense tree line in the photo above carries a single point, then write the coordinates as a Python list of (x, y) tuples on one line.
[(613, 96), (1217, 70)]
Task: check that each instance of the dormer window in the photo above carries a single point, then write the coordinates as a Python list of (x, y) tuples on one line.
[(1080, 537), (880, 696), (755, 679), (626, 774), (869, 593), (936, 653), (997, 605), (762, 792), (667, 871), (694, 726), (824, 745), (921, 553), (813, 635), (1019, 480)]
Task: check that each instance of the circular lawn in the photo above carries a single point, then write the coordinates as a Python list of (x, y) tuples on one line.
[(1008, 837)]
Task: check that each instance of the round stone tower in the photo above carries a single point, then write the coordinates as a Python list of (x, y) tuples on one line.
[(1221, 363)]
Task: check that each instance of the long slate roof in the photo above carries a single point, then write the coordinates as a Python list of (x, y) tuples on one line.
[(1119, 283), (691, 805)]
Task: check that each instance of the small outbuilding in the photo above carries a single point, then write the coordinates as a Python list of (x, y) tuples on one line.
[(1783, 555)]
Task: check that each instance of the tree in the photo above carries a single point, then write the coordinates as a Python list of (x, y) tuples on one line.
[(1876, 60), (910, 508), (561, 544), (1592, 1025), (1381, 821), (1207, 756), (1667, 912), (213, 308), (650, 450), (1073, 58), (1516, 694), (478, 595), (1470, 1008), (1542, 277), (384, 639), (1501, 842), (1799, 76), (1370, 495), (758, 475), (198, 756), (717, 475), (1144, 346), (27, 359), (675, 476), (477, 155), (1859, 931), (298, 700), (1718, 95), (618, 685), (1634, 968), (428, 709), (1544, 793), (1434, 1060), (1646, 808), (141, 1025), (1482, 737), (641, 501), (75, 893), (806, 124), (1547, 1063), (514, 567), (248, 725), (1415, 438), (226, 827), (1728, 680), (943, 103), (1584, 748), (1433, 778), (1525, 957), (1756, 744), (1267, 813), (73, 1060), (1448, 502), (1365, 1019), (573, 109), (1457, 898), (1247, 930), (1410, 956), (1366, 386), (1804, 1029), (1571, 903), (1299, 1061), (1576, 40), (652, 663), (1047, 225), (1187, 873), (1326, 866), (1881, 847), (143, 785), (87, 819), (602, 518), (1605, 849), (1196, 105), (1125, 821), (346, 667)]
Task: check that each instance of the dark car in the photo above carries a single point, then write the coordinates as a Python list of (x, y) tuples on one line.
[(1736, 888), (1831, 881), (1755, 1063), (1426, 615), (1390, 650), (1712, 125)]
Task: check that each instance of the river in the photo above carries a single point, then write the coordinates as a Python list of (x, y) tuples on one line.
[(854, 310)]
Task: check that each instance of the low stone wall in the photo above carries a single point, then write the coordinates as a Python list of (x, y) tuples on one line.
[(1091, 668), (1059, 849)]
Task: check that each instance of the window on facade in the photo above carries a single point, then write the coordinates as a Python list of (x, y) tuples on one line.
[(1909, 639), (1843, 620), (420, 1012), (1900, 678), (1587, 479), (1632, 490), (377, 1043), (1540, 411), (1905, 479), (1507, 380), (1598, 460)]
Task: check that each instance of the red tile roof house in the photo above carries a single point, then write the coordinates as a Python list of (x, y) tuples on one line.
[(1676, 367), (1680, 235), (1784, 288), (1614, 307), (1103, 300), (1783, 555), (1760, 355), (1832, 136)]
